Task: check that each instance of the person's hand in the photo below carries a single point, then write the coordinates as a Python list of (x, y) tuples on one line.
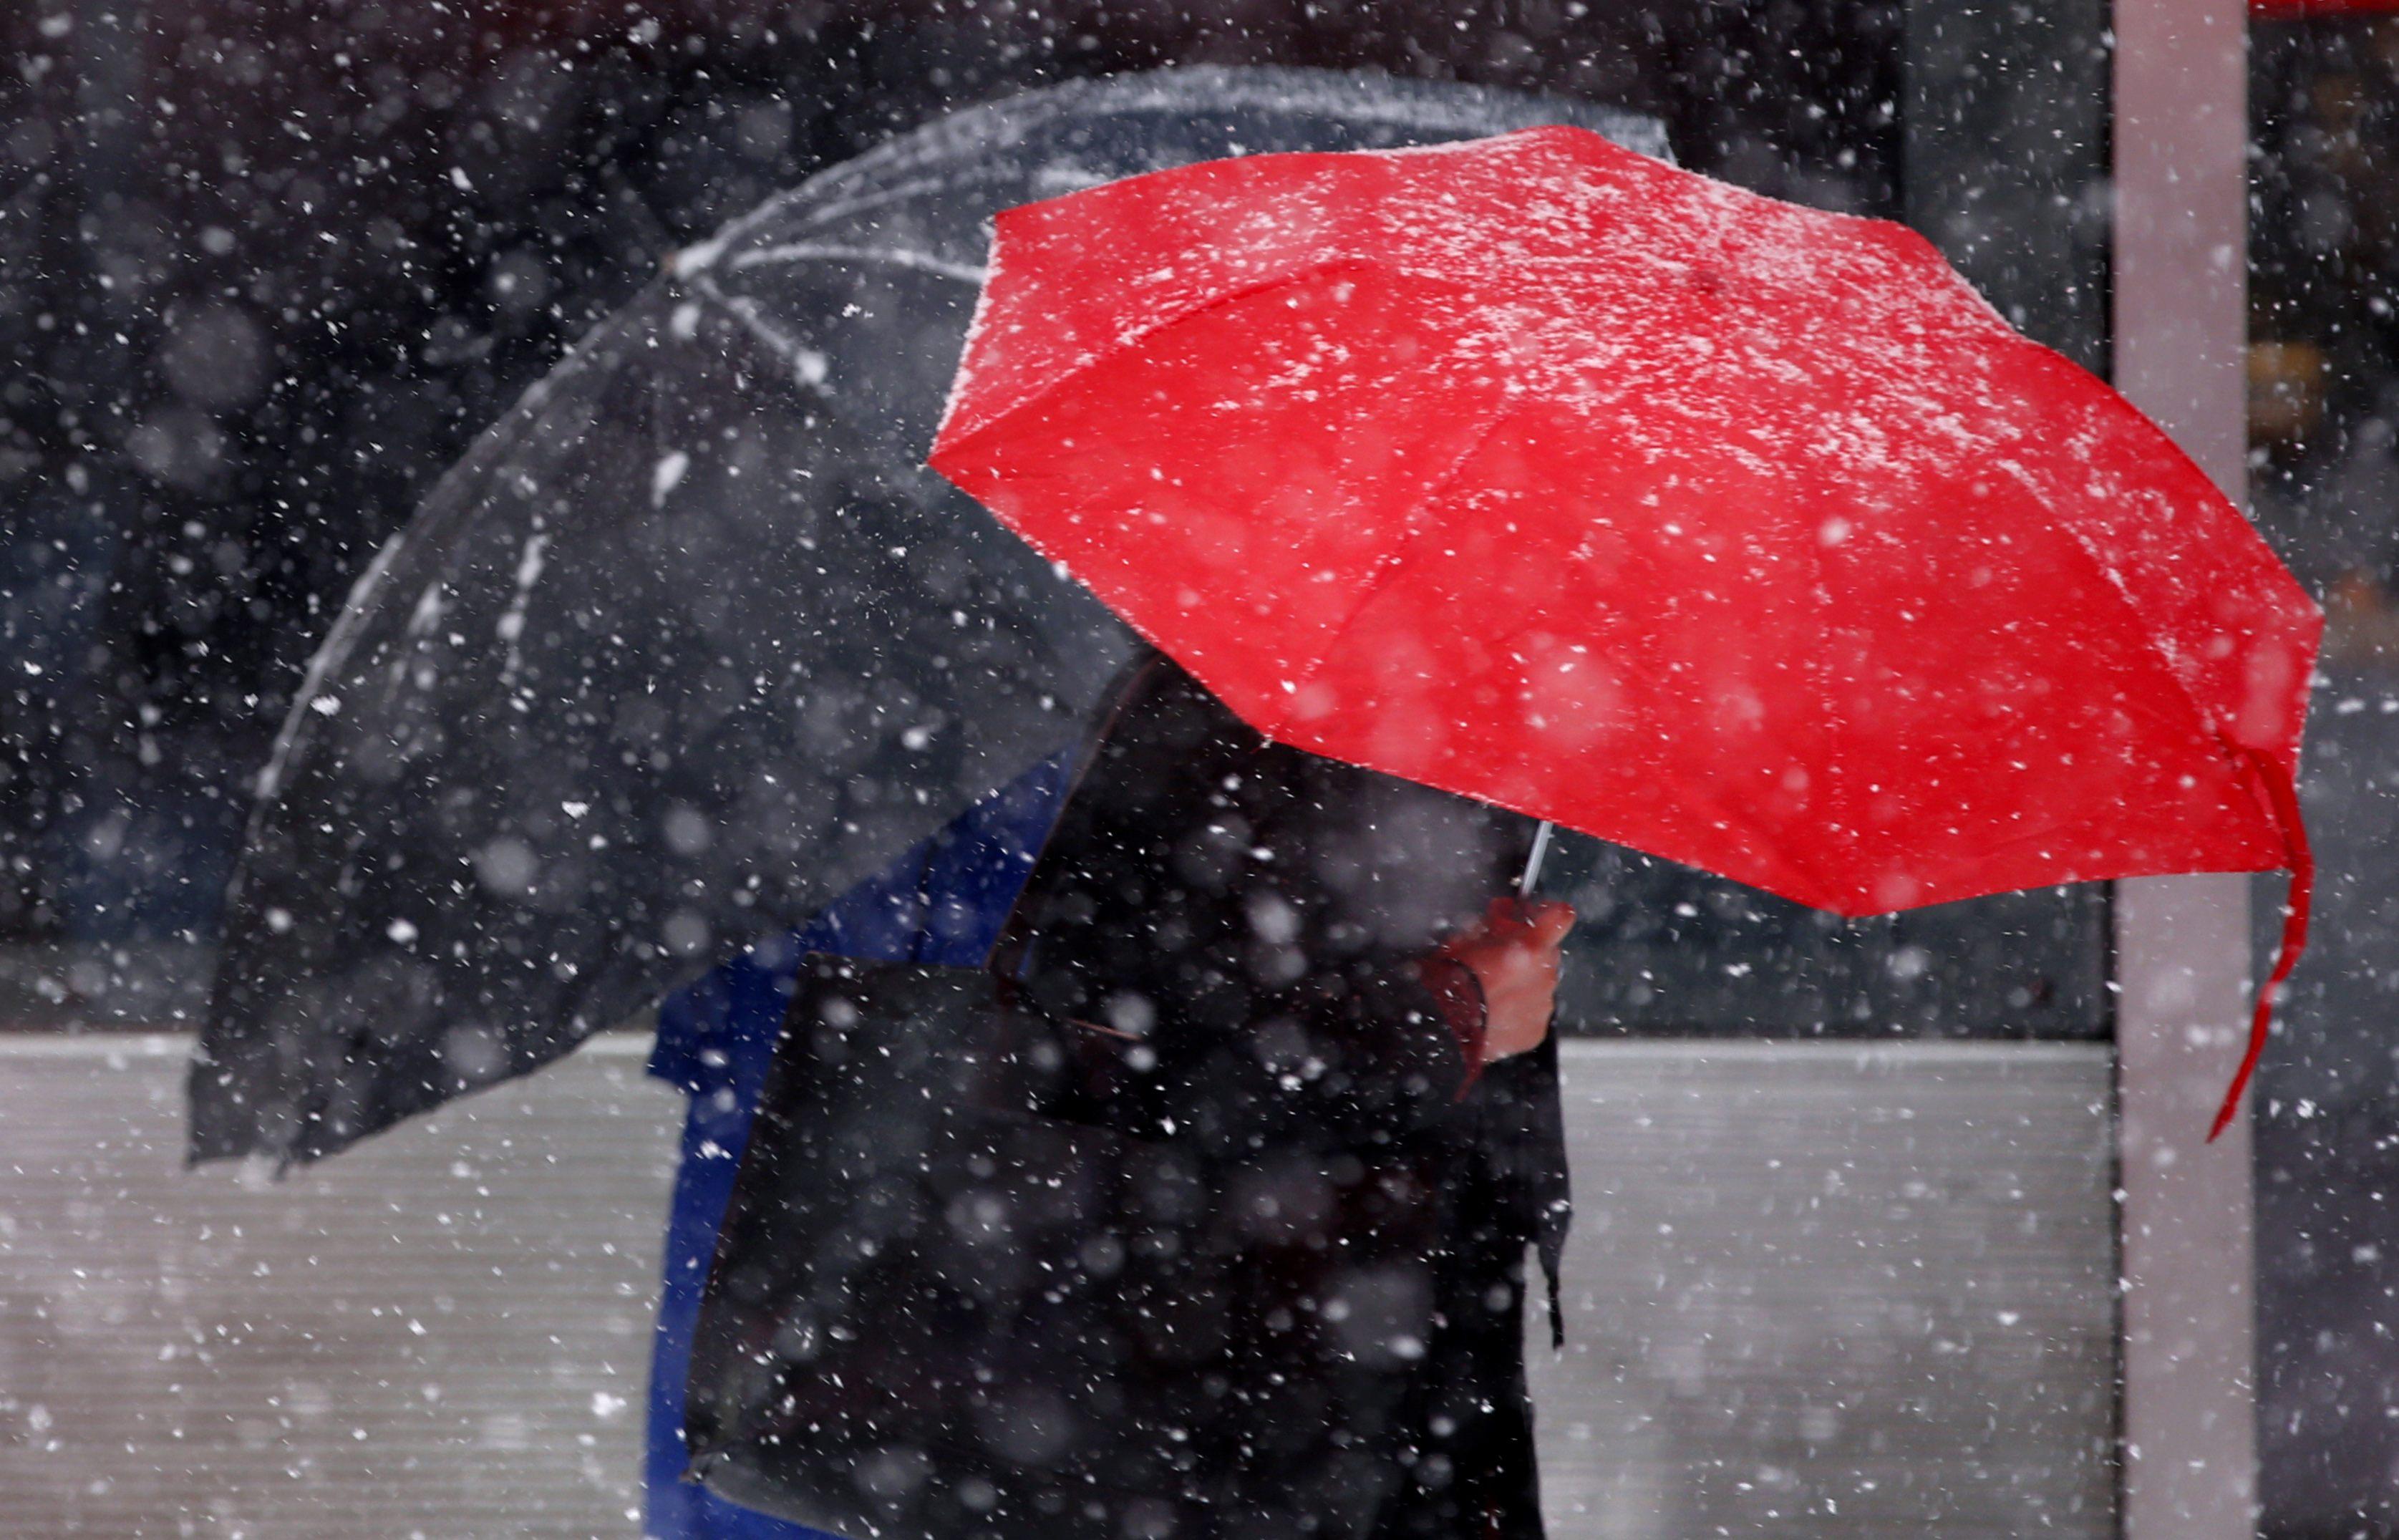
[(1513, 951)]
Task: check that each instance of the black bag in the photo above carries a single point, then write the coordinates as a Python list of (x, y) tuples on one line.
[(899, 1336), (957, 1295)]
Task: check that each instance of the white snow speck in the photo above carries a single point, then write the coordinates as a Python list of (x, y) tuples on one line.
[(401, 933), (429, 607), (666, 475), (511, 622)]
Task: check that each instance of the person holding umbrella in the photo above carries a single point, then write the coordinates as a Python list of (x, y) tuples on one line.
[(1341, 1005), (1306, 1022)]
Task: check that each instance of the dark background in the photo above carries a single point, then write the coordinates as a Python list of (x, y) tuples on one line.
[(2323, 417), (274, 272)]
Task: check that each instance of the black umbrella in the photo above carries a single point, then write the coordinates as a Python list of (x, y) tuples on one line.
[(691, 642)]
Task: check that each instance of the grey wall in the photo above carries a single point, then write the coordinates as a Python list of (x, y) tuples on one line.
[(1835, 1290), (1816, 1290), (196, 1354)]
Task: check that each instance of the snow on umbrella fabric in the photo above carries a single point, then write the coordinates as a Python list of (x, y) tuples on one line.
[(1740, 533), (692, 643)]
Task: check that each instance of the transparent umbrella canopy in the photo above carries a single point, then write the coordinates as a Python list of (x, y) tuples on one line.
[(691, 642)]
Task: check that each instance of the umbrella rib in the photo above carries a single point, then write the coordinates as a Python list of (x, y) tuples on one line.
[(1767, 847), (896, 256), (1828, 612), (355, 615), (744, 310), (1125, 342), (2117, 406), (2113, 585), (1388, 572)]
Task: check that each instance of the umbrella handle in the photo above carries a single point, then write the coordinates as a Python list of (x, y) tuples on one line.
[(1532, 877), (2286, 798)]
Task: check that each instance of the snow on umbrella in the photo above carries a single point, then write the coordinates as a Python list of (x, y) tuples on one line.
[(691, 642), (1740, 533)]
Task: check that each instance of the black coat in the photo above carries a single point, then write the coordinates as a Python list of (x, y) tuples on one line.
[(1255, 913)]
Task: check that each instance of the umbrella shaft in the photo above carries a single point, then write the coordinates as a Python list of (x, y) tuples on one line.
[(1532, 877)]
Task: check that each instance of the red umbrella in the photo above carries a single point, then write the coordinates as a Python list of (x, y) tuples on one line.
[(1737, 532)]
